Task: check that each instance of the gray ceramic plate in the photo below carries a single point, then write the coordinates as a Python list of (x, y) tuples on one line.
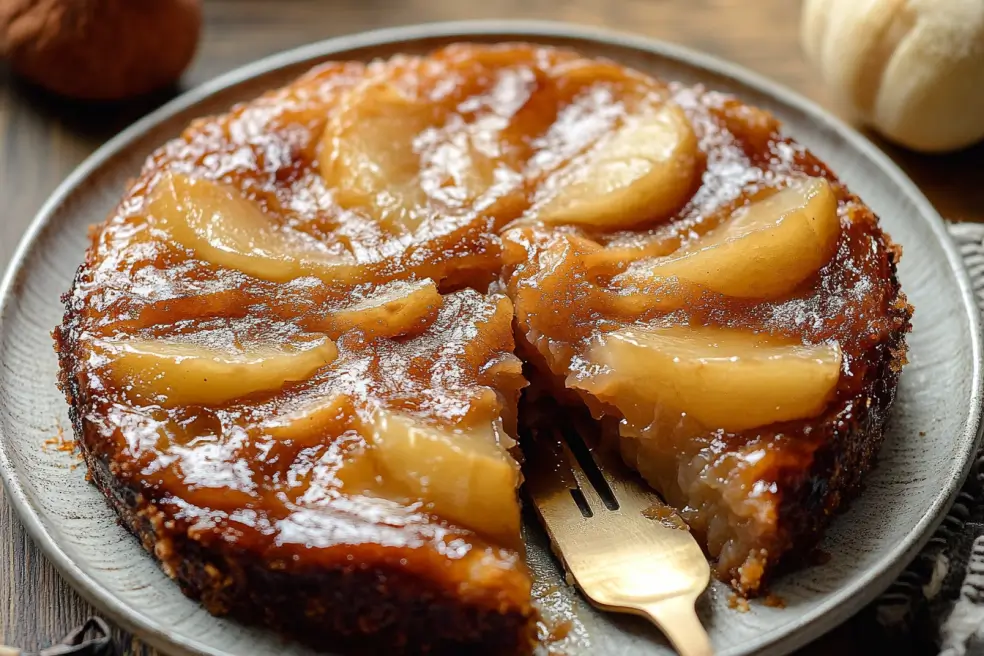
[(934, 427)]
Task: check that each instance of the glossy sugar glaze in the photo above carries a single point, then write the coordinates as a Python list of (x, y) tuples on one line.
[(495, 125)]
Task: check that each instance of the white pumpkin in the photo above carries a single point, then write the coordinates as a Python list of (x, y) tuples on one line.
[(911, 69)]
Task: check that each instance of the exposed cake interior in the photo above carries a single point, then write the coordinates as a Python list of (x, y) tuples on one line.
[(295, 337)]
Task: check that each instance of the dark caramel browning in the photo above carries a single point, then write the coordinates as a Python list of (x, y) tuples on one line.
[(372, 235)]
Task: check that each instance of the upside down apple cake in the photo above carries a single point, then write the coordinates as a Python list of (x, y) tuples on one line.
[(294, 352)]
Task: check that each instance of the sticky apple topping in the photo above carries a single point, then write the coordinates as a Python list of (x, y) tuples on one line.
[(660, 377), (763, 250), (295, 351), (175, 373), (223, 228), (466, 476), (644, 170), (730, 343), (390, 310)]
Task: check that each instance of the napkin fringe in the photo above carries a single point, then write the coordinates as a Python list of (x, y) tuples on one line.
[(937, 603)]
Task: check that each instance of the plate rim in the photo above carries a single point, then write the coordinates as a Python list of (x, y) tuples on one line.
[(838, 608)]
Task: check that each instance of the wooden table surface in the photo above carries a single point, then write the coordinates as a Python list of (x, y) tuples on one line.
[(42, 139)]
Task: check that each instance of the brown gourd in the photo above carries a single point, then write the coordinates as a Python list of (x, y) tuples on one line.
[(100, 49)]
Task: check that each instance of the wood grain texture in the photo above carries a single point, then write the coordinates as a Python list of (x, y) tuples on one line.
[(42, 139)]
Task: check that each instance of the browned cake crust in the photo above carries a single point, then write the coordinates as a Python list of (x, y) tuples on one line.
[(408, 581), (851, 441)]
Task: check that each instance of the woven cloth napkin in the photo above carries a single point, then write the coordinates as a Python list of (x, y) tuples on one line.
[(937, 604)]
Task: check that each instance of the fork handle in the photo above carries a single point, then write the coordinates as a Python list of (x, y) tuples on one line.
[(678, 620)]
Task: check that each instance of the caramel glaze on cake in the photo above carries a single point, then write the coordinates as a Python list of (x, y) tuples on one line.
[(291, 352)]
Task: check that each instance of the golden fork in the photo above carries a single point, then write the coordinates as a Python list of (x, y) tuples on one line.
[(627, 551)]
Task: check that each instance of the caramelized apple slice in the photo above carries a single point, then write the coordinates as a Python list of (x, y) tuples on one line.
[(392, 153), (763, 251), (311, 421), (727, 379), (224, 228), (642, 172), (466, 476), (367, 151), (397, 308), (175, 373)]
